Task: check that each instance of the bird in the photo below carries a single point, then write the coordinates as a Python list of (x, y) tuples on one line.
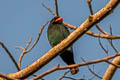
[(57, 32)]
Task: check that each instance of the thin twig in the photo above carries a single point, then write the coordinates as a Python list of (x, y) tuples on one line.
[(21, 57), (10, 55), (23, 51), (72, 78), (36, 76), (91, 70), (106, 36), (102, 35), (56, 5), (48, 9), (118, 66), (90, 6), (63, 75), (27, 45), (93, 77), (101, 30), (46, 73), (19, 47), (106, 51), (39, 34), (111, 30), (111, 43)]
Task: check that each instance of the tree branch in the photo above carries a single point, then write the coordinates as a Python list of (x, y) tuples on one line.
[(56, 5), (111, 69), (111, 43), (39, 34), (10, 55), (49, 9), (63, 75), (92, 70)]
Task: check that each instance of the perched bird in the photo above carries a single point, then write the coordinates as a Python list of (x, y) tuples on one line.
[(57, 32)]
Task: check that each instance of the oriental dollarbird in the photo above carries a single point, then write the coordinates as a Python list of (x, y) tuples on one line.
[(57, 32)]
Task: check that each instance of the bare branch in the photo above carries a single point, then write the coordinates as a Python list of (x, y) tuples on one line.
[(92, 70), (111, 69), (103, 36), (90, 6), (49, 9), (10, 55), (118, 66), (19, 47), (46, 73), (26, 50), (101, 30), (27, 45), (21, 57), (93, 77), (111, 43), (107, 36), (106, 51), (39, 34), (23, 52), (72, 78), (56, 5), (63, 75), (111, 33)]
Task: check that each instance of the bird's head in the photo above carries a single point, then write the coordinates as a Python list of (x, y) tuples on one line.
[(57, 20)]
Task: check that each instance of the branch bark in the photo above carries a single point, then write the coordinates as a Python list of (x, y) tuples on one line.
[(111, 69), (52, 53)]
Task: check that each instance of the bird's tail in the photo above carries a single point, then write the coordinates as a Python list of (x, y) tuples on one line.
[(74, 70)]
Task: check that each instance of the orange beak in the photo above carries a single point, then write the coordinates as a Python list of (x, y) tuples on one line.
[(59, 19)]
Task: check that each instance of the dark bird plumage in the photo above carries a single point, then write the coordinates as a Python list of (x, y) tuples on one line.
[(56, 33)]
